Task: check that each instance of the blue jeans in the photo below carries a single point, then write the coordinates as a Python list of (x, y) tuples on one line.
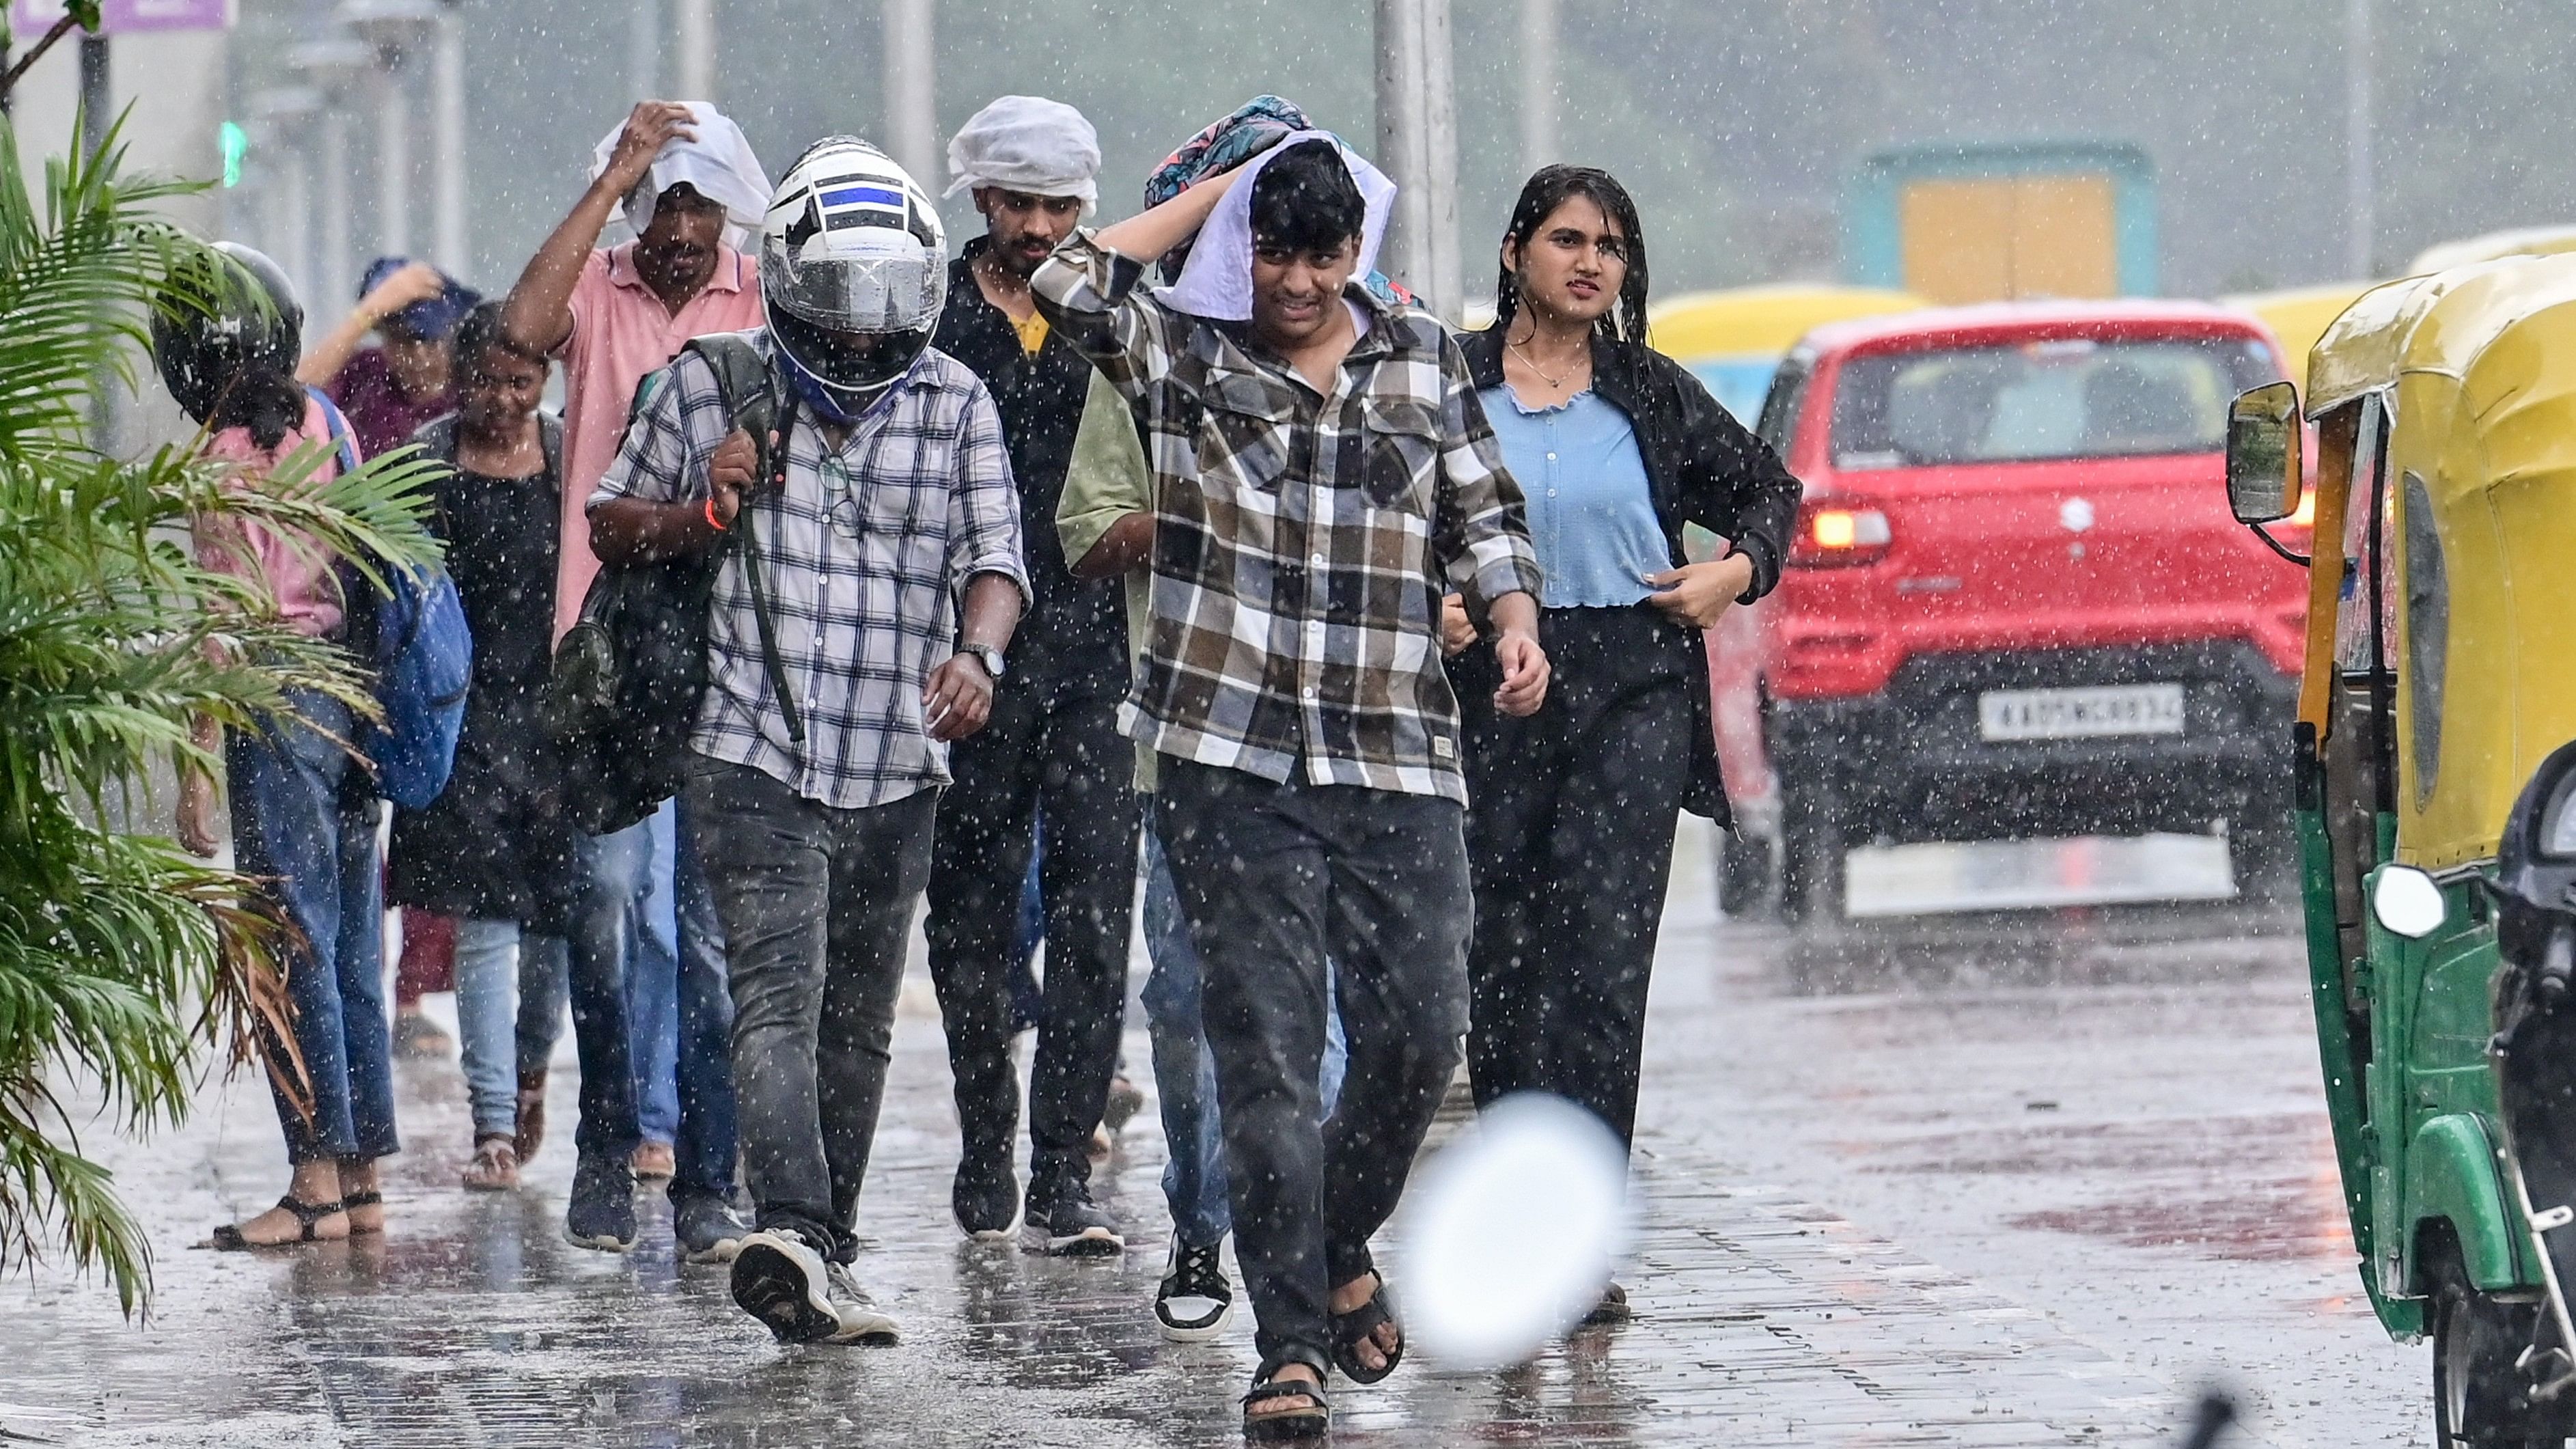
[(292, 825), (1185, 1075), (653, 993), (509, 1003), (613, 945)]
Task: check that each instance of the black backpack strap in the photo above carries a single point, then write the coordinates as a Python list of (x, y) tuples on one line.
[(745, 382)]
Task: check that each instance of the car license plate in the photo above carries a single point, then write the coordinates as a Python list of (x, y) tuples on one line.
[(2080, 714)]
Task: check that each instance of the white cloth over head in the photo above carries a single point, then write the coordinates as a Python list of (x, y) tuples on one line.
[(1028, 144), (1217, 282), (717, 163)]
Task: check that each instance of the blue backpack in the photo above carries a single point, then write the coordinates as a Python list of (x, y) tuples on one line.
[(410, 633)]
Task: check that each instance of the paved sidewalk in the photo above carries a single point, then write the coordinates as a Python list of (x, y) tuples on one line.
[(1763, 1320)]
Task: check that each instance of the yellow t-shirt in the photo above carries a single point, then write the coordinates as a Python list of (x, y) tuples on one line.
[(1032, 330)]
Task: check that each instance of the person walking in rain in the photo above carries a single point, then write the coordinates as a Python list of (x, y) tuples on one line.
[(1106, 522), (494, 851), (888, 501), (1052, 747), (1571, 812), (682, 175), (1318, 455)]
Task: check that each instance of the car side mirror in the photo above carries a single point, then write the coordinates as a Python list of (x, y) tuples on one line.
[(2265, 466), (2408, 902)]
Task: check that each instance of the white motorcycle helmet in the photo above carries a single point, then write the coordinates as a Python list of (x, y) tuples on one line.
[(853, 268)]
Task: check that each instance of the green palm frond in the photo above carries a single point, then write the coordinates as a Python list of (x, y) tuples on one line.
[(127, 968)]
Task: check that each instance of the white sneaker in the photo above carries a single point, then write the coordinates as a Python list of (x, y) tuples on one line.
[(781, 1279), (1194, 1302), (860, 1320)]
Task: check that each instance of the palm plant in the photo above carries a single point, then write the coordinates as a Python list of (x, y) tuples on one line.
[(128, 968)]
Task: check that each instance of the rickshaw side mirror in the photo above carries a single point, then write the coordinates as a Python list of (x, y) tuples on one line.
[(2265, 466), (2408, 902)]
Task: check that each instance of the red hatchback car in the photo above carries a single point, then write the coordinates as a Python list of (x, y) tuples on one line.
[(2016, 605)]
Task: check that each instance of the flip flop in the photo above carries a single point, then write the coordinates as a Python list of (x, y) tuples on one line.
[(229, 1239), (1352, 1328), (1311, 1422)]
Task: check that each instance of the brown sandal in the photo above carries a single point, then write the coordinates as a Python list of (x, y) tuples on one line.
[(495, 1167), (229, 1239)]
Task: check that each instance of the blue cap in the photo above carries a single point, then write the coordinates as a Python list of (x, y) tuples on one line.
[(431, 318)]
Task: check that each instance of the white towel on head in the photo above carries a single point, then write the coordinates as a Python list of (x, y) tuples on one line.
[(717, 163), (1030, 144), (1217, 282)]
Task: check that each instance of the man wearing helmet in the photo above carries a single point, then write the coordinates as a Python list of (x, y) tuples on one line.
[(1052, 750), (683, 178), (882, 498), (1318, 460)]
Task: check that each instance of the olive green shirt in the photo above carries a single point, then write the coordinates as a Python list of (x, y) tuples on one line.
[(1106, 481)]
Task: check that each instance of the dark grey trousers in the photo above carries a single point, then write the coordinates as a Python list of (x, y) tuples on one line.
[(1275, 879), (816, 903)]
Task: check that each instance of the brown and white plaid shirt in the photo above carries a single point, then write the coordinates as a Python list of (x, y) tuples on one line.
[(1302, 540)]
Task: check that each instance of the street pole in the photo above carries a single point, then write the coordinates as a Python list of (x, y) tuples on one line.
[(643, 50), (393, 163), (447, 130), (2361, 195), (332, 277), (1540, 141), (98, 102), (693, 50), (1417, 140), (911, 89)]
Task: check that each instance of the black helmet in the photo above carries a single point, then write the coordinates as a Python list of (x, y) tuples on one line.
[(228, 313)]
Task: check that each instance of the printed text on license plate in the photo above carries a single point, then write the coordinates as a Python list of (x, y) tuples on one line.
[(2078, 714)]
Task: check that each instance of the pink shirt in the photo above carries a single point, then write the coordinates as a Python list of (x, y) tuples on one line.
[(301, 579), (620, 332)]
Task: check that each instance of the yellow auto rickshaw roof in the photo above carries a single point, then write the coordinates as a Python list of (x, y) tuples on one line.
[(2521, 241), (2483, 362), (2298, 315), (1744, 321), (2439, 323)]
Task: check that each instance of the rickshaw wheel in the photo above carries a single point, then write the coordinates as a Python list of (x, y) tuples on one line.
[(2479, 1397)]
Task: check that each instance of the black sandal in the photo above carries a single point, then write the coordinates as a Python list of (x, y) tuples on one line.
[(1311, 1422), (229, 1239), (363, 1197), (1352, 1329)]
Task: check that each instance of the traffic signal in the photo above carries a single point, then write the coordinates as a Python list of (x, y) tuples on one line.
[(236, 145)]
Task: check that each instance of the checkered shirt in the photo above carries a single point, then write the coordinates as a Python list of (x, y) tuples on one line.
[(1302, 540), (864, 559)]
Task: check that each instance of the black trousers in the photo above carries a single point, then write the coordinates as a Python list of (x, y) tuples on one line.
[(1570, 825), (1274, 879), (816, 903), (1063, 758)]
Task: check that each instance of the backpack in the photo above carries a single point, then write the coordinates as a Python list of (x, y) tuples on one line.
[(407, 629), (629, 675)]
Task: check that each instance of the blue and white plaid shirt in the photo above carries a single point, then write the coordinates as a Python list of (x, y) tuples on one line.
[(866, 554)]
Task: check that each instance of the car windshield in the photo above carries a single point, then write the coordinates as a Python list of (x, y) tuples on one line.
[(2036, 401)]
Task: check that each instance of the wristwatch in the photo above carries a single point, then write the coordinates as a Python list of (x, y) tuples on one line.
[(986, 655)]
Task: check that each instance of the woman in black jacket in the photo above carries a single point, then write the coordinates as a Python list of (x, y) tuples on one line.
[(1571, 811)]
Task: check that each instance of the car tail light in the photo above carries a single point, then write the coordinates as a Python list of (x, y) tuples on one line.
[(1835, 535)]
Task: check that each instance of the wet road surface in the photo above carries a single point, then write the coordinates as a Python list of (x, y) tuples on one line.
[(1986, 1183)]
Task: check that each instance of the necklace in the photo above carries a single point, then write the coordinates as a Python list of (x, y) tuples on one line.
[(1544, 375)]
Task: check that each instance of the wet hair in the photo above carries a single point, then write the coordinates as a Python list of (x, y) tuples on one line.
[(1551, 187), (1306, 201), (266, 402), (481, 332)]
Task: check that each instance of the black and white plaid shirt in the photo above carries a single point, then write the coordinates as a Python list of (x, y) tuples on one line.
[(1302, 540), (866, 554)]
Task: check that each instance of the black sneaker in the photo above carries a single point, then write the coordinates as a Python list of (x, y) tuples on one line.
[(1071, 1226), (1195, 1302), (602, 1212), (780, 1279), (985, 1197)]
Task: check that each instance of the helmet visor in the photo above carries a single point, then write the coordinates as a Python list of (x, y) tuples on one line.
[(851, 364), (857, 287)]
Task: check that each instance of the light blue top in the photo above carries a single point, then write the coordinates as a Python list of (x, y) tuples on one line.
[(1591, 510)]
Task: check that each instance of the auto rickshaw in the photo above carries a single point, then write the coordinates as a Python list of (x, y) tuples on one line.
[(2437, 677)]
